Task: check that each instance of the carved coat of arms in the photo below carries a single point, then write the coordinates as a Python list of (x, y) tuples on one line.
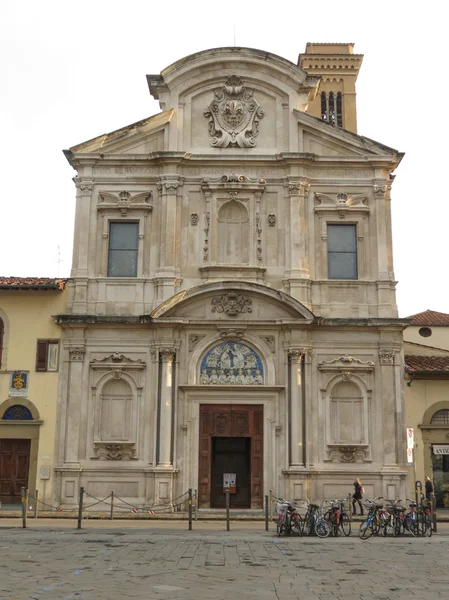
[(233, 115)]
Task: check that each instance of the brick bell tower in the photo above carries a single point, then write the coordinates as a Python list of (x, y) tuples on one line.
[(337, 66)]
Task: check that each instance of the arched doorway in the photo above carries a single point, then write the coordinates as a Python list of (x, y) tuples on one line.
[(435, 429), (19, 440)]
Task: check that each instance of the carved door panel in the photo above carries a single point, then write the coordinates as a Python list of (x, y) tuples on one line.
[(14, 467), (257, 458), (233, 422)]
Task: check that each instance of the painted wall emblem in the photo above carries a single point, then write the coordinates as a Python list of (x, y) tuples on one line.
[(231, 364), (18, 385), (233, 115)]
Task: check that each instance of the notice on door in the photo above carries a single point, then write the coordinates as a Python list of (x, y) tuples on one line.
[(441, 449)]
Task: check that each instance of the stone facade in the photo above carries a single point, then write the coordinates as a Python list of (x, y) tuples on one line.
[(228, 300)]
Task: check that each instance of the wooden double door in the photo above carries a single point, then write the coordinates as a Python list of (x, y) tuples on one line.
[(231, 442), (14, 469)]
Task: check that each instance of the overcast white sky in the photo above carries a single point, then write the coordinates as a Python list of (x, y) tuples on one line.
[(73, 70)]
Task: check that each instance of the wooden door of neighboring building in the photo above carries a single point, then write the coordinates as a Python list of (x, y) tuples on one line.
[(231, 421), (14, 468)]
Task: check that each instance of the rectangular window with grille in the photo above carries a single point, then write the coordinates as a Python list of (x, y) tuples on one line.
[(342, 251), (122, 255), (47, 354)]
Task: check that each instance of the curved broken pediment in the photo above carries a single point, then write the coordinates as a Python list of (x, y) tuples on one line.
[(232, 300)]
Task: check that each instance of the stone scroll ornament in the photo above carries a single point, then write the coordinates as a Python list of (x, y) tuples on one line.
[(233, 115)]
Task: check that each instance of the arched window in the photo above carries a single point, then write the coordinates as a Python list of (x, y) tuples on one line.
[(115, 421), (233, 234), (17, 413), (323, 106), (332, 108), (441, 417), (331, 116), (346, 414), (339, 110), (2, 331)]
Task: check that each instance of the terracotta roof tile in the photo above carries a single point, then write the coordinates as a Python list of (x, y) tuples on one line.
[(430, 317), (428, 364), (32, 283)]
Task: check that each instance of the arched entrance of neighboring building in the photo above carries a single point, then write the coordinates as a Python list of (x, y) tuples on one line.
[(19, 440), (435, 430)]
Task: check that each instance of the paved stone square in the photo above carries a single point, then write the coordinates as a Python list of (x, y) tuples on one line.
[(53, 560)]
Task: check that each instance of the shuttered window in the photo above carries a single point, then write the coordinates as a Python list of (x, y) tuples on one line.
[(47, 355)]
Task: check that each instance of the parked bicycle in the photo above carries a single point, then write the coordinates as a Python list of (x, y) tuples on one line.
[(289, 521), (314, 522), (373, 522), (337, 518)]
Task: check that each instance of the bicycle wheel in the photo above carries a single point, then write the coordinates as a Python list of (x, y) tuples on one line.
[(428, 522), (296, 525), (280, 527), (397, 526), (366, 529), (322, 528), (345, 524), (329, 517), (410, 525)]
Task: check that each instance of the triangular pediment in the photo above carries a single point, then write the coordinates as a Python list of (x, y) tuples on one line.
[(323, 139), (143, 137)]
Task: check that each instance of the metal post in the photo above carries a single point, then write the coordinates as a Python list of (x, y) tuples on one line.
[(112, 505), (80, 508), (349, 507), (227, 510), (190, 509), (24, 508), (36, 498), (266, 513), (196, 504), (434, 512)]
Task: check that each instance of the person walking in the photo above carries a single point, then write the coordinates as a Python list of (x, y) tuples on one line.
[(429, 489), (357, 496)]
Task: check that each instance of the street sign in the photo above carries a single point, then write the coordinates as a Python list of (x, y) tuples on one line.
[(410, 439), (409, 457)]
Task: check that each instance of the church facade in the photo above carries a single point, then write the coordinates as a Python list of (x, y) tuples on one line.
[(232, 316)]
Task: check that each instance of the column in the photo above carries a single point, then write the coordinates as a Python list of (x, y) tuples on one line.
[(296, 408), (299, 279), (167, 356), (73, 412)]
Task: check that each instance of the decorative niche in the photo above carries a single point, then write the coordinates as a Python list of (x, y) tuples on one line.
[(116, 387), (346, 392), (233, 234)]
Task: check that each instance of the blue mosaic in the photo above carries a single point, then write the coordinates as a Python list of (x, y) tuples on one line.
[(231, 363)]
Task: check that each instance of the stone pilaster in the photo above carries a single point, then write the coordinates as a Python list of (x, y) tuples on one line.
[(296, 408), (167, 356), (74, 397), (388, 395)]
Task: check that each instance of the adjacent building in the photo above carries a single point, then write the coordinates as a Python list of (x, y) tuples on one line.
[(29, 365), (232, 313), (427, 398)]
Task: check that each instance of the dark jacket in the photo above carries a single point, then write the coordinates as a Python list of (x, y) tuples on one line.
[(429, 488), (357, 491)]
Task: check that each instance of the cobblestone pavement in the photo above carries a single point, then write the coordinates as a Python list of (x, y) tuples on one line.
[(167, 562)]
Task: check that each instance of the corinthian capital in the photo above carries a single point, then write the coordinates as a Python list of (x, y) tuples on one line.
[(295, 354), (77, 353), (167, 354)]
